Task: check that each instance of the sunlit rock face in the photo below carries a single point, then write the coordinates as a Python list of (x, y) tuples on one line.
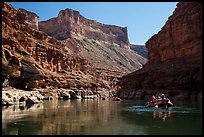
[(32, 59), (180, 37), (32, 18), (105, 46), (174, 54), (70, 22)]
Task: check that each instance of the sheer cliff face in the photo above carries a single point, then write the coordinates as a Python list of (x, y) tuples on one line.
[(32, 18), (32, 59), (106, 46), (181, 37), (70, 23), (174, 54)]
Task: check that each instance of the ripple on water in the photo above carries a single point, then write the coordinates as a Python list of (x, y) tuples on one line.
[(176, 109)]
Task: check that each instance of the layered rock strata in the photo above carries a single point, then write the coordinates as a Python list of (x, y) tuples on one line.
[(31, 60), (32, 18), (106, 46), (70, 22), (174, 58), (140, 49)]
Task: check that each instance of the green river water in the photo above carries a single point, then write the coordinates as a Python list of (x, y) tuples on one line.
[(102, 117)]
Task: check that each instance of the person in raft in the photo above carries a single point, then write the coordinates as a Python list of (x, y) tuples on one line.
[(153, 100), (163, 97)]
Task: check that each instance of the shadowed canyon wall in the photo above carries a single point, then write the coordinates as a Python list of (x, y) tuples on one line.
[(140, 49), (174, 58)]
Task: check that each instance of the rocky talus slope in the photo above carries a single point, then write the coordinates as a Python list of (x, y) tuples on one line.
[(174, 59), (34, 61), (106, 46)]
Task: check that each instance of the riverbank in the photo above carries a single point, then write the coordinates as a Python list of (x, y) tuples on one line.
[(13, 96)]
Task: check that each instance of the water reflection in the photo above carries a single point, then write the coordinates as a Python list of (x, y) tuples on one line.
[(178, 120), (63, 117), (11, 113), (163, 113), (98, 117), (78, 117), (12, 117)]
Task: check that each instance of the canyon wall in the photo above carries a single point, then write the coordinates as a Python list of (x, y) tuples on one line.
[(174, 58), (32, 18), (105, 46), (181, 37), (70, 22), (32, 59), (140, 49)]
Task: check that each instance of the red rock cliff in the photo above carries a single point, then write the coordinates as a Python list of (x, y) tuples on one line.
[(105, 46), (32, 59), (32, 18), (70, 23), (174, 55), (181, 36)]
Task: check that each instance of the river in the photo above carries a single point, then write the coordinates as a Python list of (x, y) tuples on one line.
[(101, 117)]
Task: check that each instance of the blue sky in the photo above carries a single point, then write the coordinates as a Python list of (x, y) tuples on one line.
[(143, 19)]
